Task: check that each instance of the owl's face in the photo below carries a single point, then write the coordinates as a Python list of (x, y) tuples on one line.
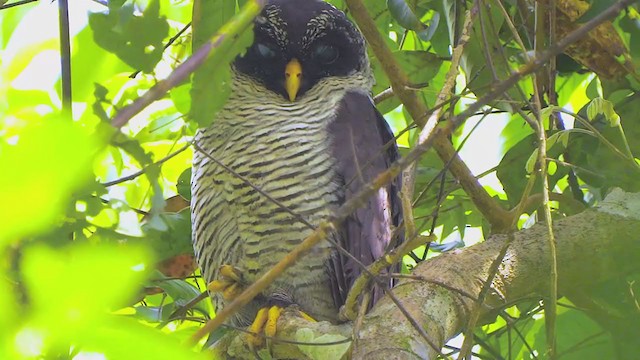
[(297, 43)]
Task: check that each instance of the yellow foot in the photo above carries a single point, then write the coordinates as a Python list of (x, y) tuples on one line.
[(230, 283), (266, 323)]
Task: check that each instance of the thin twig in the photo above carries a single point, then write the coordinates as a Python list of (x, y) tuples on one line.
[(301, 250), (550, 309), (17, 3), (212, 50), (145, 169), (65, 56), (491, 210), (327, 227), (349, 310), (542, 59), (384, 95), (435, 282), (166, 46), (181, 311), (467, 344)]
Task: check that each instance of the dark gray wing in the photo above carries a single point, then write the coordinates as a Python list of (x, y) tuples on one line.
[(363, 146)]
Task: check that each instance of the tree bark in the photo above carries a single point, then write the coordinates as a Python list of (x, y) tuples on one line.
[(592, 246)]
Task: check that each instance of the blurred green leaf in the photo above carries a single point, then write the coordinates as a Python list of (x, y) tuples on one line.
[(88, 283), (49, 159), (84, 281), (169, 234), (211, 83), (145, 160)]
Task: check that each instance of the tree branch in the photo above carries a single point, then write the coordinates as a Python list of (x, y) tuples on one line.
[(611, 232), (387, 176), (226, 36), (497, 216)]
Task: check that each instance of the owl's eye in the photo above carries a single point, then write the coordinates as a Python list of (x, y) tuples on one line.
[(265, 51), (326, 54)]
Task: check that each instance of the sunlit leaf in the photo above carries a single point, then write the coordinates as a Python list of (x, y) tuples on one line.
[(211, 84), (48, 159)]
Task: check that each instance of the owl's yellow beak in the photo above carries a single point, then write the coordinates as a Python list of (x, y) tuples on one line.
[(293, 78)]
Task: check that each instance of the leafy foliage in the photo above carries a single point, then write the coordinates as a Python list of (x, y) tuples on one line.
[(89, 212), (136, 40)]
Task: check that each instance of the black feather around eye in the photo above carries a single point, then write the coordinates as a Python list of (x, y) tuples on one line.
[(326, 54), (265, 51)]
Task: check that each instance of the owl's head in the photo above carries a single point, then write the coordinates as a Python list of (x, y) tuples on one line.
[(298, 43)]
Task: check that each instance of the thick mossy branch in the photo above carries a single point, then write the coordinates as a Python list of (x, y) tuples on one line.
[(592, 246)]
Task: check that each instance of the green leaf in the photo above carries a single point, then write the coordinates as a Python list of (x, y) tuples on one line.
[(578, 338), (181, 98), (421, 67), (406, 17), (145, 159), (183, 184), (179, 290), (137, 40), (519, 162), (561, 136), (601, 106), (211, 83), (169, 234), (597, 164), (159, 129), (45, 161), (531, 162)]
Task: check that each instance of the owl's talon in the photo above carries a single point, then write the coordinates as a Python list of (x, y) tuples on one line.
[(306, 316), (230, 283), (266, 322), (219, 285), (255, 338), (272, 321), (231, 272)]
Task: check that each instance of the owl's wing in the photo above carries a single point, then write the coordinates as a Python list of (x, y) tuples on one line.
[(363, 146)]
